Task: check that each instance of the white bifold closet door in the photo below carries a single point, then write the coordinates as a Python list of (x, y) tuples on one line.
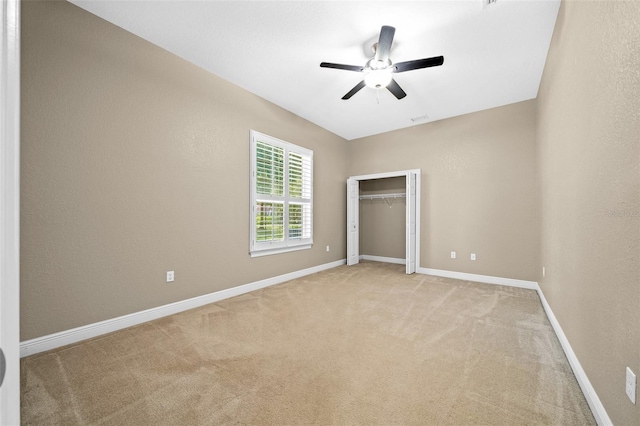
[(353, 221), (411, 223)]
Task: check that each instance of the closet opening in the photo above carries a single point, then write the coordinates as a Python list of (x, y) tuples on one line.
[(383, 218)]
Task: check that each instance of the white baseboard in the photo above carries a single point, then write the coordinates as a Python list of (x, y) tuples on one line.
[(383, 259), (599, 413), (56, 340), (597, 409), (486, 279), (67, 337)]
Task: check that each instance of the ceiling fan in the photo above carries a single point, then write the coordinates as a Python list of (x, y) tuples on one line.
[(378, 69)]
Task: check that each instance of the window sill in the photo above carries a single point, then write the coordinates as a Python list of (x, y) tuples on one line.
[(267, 252)]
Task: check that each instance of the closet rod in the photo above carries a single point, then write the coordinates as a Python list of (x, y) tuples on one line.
[(379, 196)]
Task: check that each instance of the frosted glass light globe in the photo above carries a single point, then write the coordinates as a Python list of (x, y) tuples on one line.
[(377, 79)]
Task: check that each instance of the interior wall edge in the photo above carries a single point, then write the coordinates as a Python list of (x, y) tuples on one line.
[(75, 335)]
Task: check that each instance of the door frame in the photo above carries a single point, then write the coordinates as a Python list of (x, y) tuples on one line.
[(10, 211), (353, 217)]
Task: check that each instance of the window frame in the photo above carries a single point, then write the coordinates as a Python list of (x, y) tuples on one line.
[(288, 244)]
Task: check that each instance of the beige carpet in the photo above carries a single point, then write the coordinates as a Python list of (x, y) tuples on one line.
[(352, 345)]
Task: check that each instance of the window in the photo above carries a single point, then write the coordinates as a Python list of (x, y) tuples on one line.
[(281, 196)]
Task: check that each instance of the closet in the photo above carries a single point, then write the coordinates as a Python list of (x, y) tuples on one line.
[(383, 218)]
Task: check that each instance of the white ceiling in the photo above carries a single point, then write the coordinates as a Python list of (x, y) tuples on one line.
[(493, 55)]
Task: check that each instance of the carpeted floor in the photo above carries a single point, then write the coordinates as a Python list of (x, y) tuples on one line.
[(365, 344)]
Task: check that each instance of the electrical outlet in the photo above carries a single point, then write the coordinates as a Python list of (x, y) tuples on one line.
[(544, 271), (453, 254), (473, 256), (631, 385), (328, 248), (170, 276)]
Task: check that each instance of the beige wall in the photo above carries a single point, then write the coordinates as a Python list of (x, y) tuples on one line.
[(136, 162), (478, 188), (589, 157), (382, 222)]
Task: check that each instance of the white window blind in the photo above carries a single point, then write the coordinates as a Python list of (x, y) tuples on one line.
[(281, 196)]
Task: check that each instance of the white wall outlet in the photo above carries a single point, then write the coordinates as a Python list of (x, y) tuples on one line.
[(328, 248), (473, 256), (631, 385), (170, 276), (453, 254), (544, 271)]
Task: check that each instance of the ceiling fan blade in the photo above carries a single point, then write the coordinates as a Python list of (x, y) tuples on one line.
[(418, 64), (395, 88), (384, 43), (342, 66), (355, 90)]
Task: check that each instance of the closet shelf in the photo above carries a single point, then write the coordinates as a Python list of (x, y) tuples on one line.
[(383, 196)]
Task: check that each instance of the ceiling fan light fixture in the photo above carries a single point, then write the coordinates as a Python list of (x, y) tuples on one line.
[(378, 70), (377, 79)]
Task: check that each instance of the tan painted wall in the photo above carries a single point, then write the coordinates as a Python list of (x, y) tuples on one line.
[(128, 152), (478, 189), (589, 157), (135, 162), (382, 225)]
